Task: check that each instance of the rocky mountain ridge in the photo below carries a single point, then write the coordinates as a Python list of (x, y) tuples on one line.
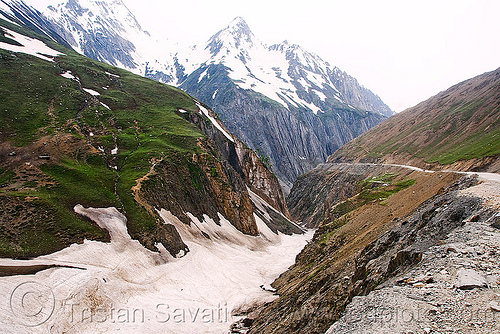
[(304, 107), (457, 129)]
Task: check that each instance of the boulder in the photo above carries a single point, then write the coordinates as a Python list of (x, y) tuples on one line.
[(469, 279)]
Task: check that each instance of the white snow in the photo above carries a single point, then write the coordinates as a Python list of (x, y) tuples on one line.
[(30, 46), (91, 92), (115, 150), (109, 219), (260, 204), (112, 75), (311, 106), (69, 75), (214, 94), (182, 111), (105, 106), (130, 289), (253, 65), (214, 121), (203, 75), (6, 9), (321, 95)]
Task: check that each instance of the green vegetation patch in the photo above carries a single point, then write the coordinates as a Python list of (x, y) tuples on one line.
[(142, 122), (375, 189), (5, 39), (6, 175), (381, 193), (478, 145)]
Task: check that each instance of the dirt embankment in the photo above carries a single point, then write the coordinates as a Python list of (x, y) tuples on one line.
[(334, 267)]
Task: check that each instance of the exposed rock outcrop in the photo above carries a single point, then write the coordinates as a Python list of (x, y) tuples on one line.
[(294, 140)]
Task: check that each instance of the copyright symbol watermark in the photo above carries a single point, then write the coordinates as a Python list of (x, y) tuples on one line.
[(32, 303)]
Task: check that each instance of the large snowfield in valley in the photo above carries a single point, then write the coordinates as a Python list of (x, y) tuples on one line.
[(122, 287)]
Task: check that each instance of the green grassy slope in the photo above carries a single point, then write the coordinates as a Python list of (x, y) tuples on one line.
[(43, 113)]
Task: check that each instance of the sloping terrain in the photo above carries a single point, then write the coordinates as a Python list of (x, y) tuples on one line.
[(302, 107), (412, 249), (457, 129), (453, 289), (76, 131), (378, 231), (122, 193)]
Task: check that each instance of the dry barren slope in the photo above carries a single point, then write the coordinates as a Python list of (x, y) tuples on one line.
[(458, 128), (331, 268)]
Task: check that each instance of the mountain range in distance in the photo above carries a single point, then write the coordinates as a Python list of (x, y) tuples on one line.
[(287, 104)]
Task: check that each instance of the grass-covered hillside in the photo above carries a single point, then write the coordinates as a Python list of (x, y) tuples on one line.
[(458, 125), (77, 131)]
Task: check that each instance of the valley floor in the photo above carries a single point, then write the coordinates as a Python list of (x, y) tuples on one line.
[(121, 286)]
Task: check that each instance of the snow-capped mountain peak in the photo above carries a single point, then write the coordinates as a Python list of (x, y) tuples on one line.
[(89, 13), (237, 33), (88, 25), (281, 99), (235, 40)]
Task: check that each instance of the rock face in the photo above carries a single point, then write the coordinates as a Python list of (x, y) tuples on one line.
[(294, 140), (294, 109), (367, 246), (314, 194), (115, 139), (220, 185), (97, 29), (469, 254)]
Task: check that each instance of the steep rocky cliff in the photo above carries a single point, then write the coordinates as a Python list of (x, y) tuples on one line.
[(294, 140), (293, 109)]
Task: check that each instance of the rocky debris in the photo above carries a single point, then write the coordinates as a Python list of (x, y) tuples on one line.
[(470, 279), (370, 245), (496, 221), (464, 296), (268, 287), (242, 326), (495, 306), (419, 281)]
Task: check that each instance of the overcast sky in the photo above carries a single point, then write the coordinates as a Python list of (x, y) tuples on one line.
[(404, 51)]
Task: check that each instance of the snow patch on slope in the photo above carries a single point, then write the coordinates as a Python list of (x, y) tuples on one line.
[(214, 121), (91, 91), (155, 292), (29, 46)]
